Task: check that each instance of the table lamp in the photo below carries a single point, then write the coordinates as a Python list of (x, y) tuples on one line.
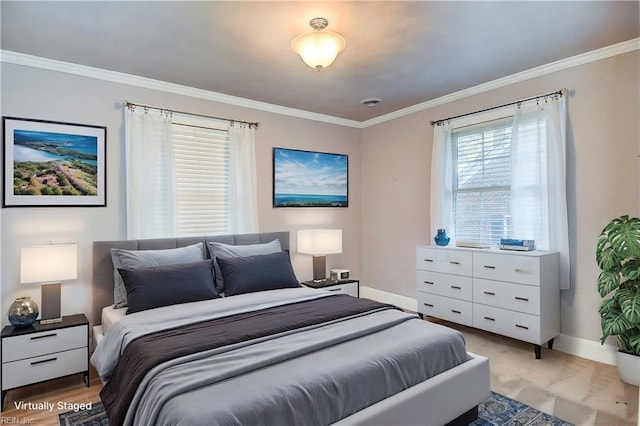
[(49, 264), (319, 243)]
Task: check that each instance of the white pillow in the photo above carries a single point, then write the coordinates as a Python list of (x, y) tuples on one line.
[(226, 251), (134, 259)]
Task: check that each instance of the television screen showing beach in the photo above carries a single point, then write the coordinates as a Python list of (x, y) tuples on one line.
[(46, 163), (310, 179)]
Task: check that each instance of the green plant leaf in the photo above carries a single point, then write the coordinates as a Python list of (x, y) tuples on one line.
[(631, 269), (606, 257), (614, 323), (624, 236), (608, 305), (630, 304), (607, 282), (634, 343)]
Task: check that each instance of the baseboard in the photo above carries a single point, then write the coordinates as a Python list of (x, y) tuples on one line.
[(564, 343)]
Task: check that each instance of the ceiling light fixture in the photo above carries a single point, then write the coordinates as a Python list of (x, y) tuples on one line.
[(318, 48)]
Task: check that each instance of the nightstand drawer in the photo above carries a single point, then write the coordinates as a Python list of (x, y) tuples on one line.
[(38, 369), (44, 342), (347, 288)]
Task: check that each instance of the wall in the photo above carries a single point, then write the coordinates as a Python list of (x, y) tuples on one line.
[(603, 142), (48, 95)]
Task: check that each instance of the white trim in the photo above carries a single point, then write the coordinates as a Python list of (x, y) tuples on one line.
[(563, 64), (382, 296), (572, 345), (16, 58)]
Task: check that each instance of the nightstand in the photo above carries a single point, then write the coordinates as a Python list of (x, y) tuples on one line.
[(350, 287), (43, 352)]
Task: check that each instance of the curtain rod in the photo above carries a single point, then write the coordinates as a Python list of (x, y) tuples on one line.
[(558, 93), (128, 104)]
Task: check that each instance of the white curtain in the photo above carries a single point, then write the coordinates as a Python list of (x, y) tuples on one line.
[(243, 196), (538, 179), (442, 182), (150, 180)]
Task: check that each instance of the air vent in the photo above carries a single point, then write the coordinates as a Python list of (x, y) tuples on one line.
[(370, 102)]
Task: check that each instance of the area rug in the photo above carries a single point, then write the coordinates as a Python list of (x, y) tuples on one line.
[(495, 411)]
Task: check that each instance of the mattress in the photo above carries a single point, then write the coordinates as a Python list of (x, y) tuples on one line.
[(110, 316), (315, 375)]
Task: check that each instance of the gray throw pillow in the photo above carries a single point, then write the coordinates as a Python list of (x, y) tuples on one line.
[(227, 251), (158, 286), (257, 273), (135, 259)]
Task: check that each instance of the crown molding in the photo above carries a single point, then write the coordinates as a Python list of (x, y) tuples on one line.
[(563, 64), (16, 58)]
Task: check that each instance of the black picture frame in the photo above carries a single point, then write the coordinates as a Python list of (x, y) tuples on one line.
[(53, 164), (310, 178)]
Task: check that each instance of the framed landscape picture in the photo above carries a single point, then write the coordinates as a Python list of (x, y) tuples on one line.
[(310, 179), (50, 164)]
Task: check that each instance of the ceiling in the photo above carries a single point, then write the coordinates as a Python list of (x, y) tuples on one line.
[(403, 52)]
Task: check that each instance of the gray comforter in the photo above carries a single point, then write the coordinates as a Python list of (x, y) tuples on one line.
[(316, 375)]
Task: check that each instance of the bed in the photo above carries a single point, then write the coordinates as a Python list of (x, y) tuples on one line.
[(318, 358)]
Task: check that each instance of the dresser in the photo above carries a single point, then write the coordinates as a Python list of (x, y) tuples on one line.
[(511, 293), (44, 351)]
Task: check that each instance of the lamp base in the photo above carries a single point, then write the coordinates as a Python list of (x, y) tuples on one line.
[(50, 303), (319, 268)]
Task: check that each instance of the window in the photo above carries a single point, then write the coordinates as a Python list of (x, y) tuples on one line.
[(201, 159), (482, 182)]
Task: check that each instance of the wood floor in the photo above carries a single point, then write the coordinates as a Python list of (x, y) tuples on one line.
[(580, 391)]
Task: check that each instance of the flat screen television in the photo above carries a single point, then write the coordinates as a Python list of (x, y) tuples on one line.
[(310, 179)]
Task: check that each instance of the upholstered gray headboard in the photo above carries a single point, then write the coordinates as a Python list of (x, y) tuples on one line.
[(103, 266)]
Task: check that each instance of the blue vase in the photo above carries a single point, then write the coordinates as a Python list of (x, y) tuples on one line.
[(441, 238)]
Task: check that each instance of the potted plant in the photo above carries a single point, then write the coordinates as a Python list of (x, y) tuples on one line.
[(618, 256)]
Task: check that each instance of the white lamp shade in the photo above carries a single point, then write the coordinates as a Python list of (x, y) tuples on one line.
[(47, 263), (318, 49), (319, 242)]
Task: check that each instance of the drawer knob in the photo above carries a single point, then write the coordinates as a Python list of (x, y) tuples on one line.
[(454, 262), (44, 360), (428, 304), (489, 318), (428, 260), (489, 266), (334, 289), (455, 312), (524, 299), (456, 287), (490, 293), (522, 326), (428, 282), (44, 336)]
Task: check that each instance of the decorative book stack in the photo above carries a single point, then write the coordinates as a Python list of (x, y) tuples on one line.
[(520, 245)]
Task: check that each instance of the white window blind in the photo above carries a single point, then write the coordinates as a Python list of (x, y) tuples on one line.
[(482, 182), (202, 179)]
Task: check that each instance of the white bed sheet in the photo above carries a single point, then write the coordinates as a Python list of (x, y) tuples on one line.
[(110, 316)]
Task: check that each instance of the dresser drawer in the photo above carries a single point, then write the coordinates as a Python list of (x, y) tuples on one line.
[(454, 310), (510, 268), (447, 261), (45, 342), (508, 323), (38, 369), (456, 286), (348, 288), (515, 297)]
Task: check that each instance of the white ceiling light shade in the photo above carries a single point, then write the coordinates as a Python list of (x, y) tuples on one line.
[(318, 48)]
